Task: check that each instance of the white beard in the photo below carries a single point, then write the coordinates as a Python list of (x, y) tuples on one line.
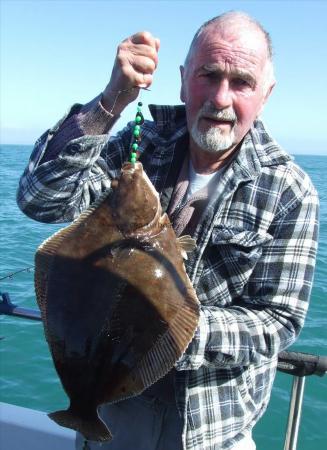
[(213, 140)]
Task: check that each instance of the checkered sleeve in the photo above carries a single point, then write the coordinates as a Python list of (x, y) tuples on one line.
[(59, 189), (270, 313)]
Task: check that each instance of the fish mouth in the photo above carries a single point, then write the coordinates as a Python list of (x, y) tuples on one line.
[(130, 168), (136, 184)]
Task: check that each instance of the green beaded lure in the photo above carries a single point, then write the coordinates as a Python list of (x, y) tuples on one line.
[(139, 120)]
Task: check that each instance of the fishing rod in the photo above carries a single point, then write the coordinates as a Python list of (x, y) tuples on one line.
[(10, 309)]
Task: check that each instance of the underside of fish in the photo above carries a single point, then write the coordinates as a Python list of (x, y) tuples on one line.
[(117, 305)]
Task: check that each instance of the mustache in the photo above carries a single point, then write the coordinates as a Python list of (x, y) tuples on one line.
[(208, 110)]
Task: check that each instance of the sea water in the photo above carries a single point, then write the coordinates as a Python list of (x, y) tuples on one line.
[(27, 374)]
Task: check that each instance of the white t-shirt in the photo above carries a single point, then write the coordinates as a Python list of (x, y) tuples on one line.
[(197, 181)]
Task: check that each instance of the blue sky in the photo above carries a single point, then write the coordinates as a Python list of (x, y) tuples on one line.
[(55, 53)]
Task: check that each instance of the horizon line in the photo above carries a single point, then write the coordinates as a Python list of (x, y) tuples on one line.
[(290, 153)]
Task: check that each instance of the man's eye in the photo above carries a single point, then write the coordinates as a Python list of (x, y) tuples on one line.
[(211, 75), (240, 83)]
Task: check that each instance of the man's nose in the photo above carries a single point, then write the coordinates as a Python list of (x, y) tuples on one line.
[(221, 95)]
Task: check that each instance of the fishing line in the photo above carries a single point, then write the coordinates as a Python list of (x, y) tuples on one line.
[(12, 274)]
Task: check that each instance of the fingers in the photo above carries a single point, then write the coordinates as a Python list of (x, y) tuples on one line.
[(147, 39), (142, 57), (135, 64), (137, 58)]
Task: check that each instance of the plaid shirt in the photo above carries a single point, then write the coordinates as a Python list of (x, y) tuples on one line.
[(252, 268)]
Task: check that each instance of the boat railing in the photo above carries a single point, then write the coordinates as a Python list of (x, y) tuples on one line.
[(299, 365)]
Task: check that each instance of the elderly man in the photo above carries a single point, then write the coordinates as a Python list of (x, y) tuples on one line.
[(222, 179)]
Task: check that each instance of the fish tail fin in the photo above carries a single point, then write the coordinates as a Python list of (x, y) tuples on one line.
[(91, 427)]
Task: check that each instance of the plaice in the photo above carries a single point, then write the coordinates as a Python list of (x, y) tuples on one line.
[(117, 305)]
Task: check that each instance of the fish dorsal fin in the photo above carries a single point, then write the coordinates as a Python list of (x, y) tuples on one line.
[(52, 243), (187, 244)]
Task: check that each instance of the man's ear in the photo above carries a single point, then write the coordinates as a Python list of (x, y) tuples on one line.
[(267, 95), (182, 92), (269, 91)]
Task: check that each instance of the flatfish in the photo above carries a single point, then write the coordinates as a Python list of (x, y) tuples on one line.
[(117, 305)]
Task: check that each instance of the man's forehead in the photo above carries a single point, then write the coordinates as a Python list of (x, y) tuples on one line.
[(233, 42), (226, 56)]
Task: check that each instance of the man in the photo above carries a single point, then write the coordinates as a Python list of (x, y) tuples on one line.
[(223, 180)]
